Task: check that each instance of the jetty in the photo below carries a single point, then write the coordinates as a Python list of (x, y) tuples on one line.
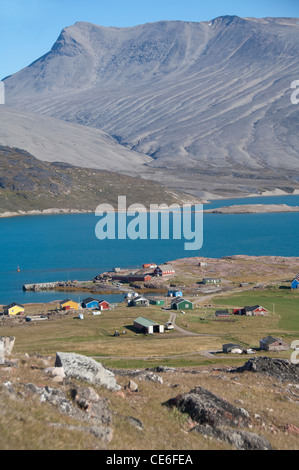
[(41, 286)]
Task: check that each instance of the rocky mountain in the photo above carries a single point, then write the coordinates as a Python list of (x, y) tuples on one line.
[(28, 184), (207, 103)]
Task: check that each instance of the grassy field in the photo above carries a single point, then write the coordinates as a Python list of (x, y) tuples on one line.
[(93, 336), (28, 424)]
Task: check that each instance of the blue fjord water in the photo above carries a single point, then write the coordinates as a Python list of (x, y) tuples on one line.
[(62, 247)]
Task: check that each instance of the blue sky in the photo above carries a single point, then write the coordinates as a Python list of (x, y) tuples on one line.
[(28, 28)]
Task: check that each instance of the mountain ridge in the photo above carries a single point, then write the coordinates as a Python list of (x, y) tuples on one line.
[(205, 96)]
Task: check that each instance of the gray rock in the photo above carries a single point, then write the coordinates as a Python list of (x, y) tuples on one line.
[(280, 369), (160, 369), (137, 423), (103, 433), (150, 377), (84, 368), (85, 405), (206, 408), (133, 386), (242, 440), (53, 396), (7, 344), (89, 401)]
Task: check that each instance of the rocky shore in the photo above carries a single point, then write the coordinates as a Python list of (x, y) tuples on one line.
[(253, 209)]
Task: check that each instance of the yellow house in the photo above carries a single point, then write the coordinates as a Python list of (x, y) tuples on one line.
[(69, 304), (14, 309)]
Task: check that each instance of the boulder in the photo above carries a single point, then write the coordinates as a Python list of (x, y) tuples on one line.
[(7, 344), (85, 368), (206, 408), (241, 440), (132, 386), (150, 377)]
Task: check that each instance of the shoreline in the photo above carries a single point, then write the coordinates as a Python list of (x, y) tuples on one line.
[(220, 264), (242, 208)]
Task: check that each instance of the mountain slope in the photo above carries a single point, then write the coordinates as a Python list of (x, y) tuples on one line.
[(53, 140), (211, 96), (28, 184)]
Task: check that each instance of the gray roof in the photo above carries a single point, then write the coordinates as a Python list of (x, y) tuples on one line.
[(270, 340), (145, 322), (166, 267), (251, 308), (178, 300), (15, 305), (140, 297), (231, 346), (88, 300)]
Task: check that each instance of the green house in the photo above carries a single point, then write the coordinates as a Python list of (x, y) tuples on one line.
[(157, 302), (181, 304)]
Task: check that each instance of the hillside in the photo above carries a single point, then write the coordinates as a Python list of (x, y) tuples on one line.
[(208, 102), (28, 184)]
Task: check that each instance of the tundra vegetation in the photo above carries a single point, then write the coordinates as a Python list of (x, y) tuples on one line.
[(154, 370)]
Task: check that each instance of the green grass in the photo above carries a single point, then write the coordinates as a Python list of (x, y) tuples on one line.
[(94, 335), (283, 304)]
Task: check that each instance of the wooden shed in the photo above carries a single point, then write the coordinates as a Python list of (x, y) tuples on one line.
[(222, 313), (139, 301), (270, 343), (148, 326), (104, 305), (232, 348), (174, 293)]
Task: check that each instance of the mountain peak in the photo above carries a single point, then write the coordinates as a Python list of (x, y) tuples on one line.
[(209, 96)]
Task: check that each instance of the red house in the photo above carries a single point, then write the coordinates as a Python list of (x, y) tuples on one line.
[(164, 270), (103, 305), (254, 310)]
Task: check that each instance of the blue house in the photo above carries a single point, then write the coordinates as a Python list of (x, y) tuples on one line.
[(295, 283), (174, 293), (90, 303)]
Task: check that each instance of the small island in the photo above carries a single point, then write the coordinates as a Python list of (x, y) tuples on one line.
[(253, 209)]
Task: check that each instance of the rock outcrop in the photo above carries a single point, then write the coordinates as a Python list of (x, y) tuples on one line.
[(218, 419), (85, 406), (242, 440), (7, 344), (85, 368), (204, 407), (280, 369)]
